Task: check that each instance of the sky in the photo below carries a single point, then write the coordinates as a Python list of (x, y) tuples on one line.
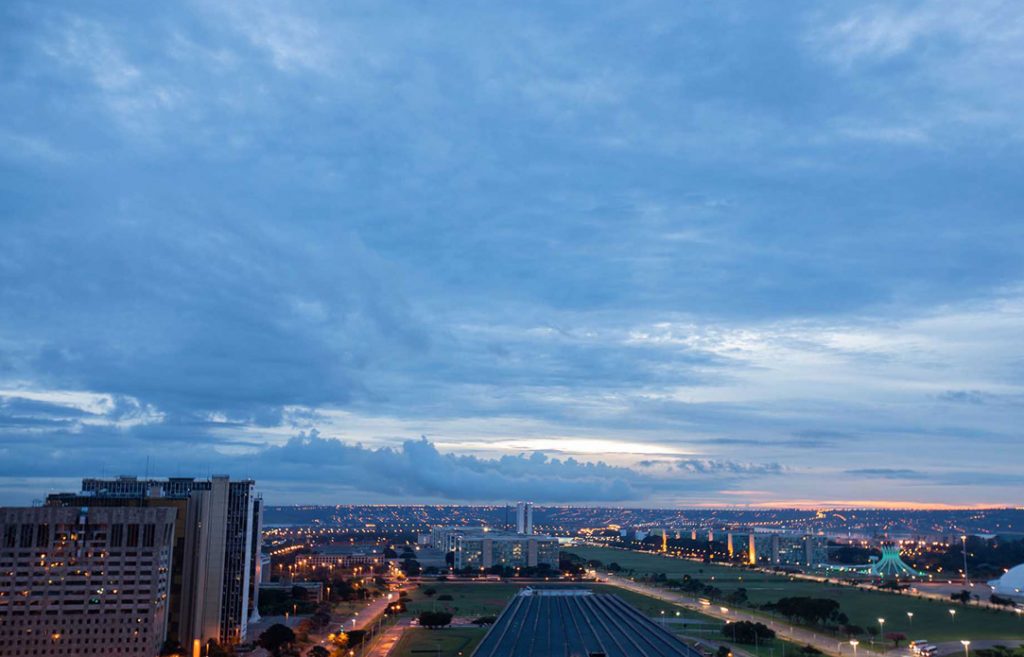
[(630, 253)]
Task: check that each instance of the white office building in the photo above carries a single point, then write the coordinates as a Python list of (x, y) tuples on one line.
[(524, 518)]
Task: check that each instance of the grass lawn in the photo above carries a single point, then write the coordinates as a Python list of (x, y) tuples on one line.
[(931, 621), (430, 643), (488, 599), (471, 599)]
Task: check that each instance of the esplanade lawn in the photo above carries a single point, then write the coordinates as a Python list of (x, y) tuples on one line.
[(931, 620)]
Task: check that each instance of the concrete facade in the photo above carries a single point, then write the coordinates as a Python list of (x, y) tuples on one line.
[(476, 547), (220, 549), (85, 581)]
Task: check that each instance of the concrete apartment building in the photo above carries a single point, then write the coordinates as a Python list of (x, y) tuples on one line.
[(216, 566), (84, 581)]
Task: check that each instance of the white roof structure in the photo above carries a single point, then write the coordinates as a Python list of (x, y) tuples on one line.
[(1011, 583)]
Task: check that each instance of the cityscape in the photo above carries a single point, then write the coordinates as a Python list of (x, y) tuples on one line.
[(649, 328), (203, 567)]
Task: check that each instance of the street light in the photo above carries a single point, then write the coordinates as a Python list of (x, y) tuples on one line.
[(952, 615), (967, 580), (967, 647), (910, 617), (854, 643), (881, 628)]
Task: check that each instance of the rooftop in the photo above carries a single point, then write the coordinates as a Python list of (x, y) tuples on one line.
[(560, 622)]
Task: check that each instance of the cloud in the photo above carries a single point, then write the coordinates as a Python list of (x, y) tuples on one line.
[(414, 470), (966, 396), (887, 473), (719, 466), (221, 228)]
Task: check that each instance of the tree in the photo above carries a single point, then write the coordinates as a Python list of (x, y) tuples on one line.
[(390, 554), (747, 632), (318, 651), (614, 567), (431, 592), (171, 648), (895, 637), (963, 597), (445, 598), (737, 597), (485, 620), (812, 611), (276, 637), (1000, 601), (435, 619)]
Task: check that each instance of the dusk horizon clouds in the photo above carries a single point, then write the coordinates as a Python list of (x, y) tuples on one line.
[(634, 254)]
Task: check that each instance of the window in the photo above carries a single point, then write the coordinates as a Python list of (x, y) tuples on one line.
[(26, 536), (43, 535), (148, 535), (10, 532), (133, 535), (116, 535)]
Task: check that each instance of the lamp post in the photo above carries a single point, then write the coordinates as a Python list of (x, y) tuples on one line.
[(910, 618), (952, 615), (881, 628), (967, 647), (854, 643), (967, 580)]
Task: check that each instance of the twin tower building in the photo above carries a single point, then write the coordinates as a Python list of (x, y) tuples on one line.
[(126, 565)]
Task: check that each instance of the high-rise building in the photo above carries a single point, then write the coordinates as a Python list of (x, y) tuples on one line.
[(215, 588), (85, 580), (524, 518)]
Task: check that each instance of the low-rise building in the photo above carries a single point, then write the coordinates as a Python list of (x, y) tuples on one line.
[(788, 549), (347, 556), (483, 548), (312, 591)]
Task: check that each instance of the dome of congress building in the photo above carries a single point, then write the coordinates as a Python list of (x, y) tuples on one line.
[(1011, 583)]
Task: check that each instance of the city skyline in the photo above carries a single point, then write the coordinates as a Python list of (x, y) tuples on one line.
[(643, 255)]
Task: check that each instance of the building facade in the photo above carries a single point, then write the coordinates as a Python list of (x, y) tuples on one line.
[(347, 556), (85, 580), (524, 518), (479, 547), (788, 549), (219, 554)]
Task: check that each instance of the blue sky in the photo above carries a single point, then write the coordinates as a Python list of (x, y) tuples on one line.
[(632, 253)]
